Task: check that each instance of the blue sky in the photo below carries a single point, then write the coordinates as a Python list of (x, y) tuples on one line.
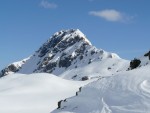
[(119, 26)]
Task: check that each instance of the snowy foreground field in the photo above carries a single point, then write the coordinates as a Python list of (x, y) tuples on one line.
[(35, 93), (126, 92)]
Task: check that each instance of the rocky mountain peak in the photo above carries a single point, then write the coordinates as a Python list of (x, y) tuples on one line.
[(66, 35), (62, 40), (64, 50)]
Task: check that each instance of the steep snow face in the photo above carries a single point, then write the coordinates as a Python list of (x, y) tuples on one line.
[(66, 50), (127, 92), (35, 93)]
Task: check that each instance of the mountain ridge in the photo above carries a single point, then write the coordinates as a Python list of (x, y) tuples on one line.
[(63, 51)]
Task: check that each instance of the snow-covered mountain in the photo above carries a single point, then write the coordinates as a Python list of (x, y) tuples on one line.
[(69, 50), (115, 86), (125, 92)]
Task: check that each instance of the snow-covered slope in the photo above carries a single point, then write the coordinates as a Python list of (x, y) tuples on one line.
[(126, 92), (99, 68), (14, 67), (35, 93), (145, 60), (140, 62), (70, 50)]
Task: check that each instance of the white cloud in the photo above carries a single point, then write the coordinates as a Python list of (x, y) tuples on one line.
[(111, 15), (47, 5)]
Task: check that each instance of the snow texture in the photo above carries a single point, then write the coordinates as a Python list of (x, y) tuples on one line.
[(125, 92), (34, 93)]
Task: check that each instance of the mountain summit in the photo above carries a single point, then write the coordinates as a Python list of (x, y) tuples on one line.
[(65, 50)]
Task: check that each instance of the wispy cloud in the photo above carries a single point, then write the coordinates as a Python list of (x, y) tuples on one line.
[(112, 15), (47, 5)]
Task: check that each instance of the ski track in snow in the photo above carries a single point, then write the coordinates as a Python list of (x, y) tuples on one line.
[(126, 92)]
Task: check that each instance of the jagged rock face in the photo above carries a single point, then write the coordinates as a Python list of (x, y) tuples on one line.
[(61, 50), (65, 50), (5, 71), (60, 41)]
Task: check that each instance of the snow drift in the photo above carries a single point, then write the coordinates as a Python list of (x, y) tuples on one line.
[(34, 93)]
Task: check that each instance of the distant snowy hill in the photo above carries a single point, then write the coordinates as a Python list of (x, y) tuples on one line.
[(69, 50), (12, 68), (125, 92)]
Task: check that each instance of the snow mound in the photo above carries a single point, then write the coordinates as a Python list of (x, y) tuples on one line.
[(127, 92), (145, 86), (34, 93)]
